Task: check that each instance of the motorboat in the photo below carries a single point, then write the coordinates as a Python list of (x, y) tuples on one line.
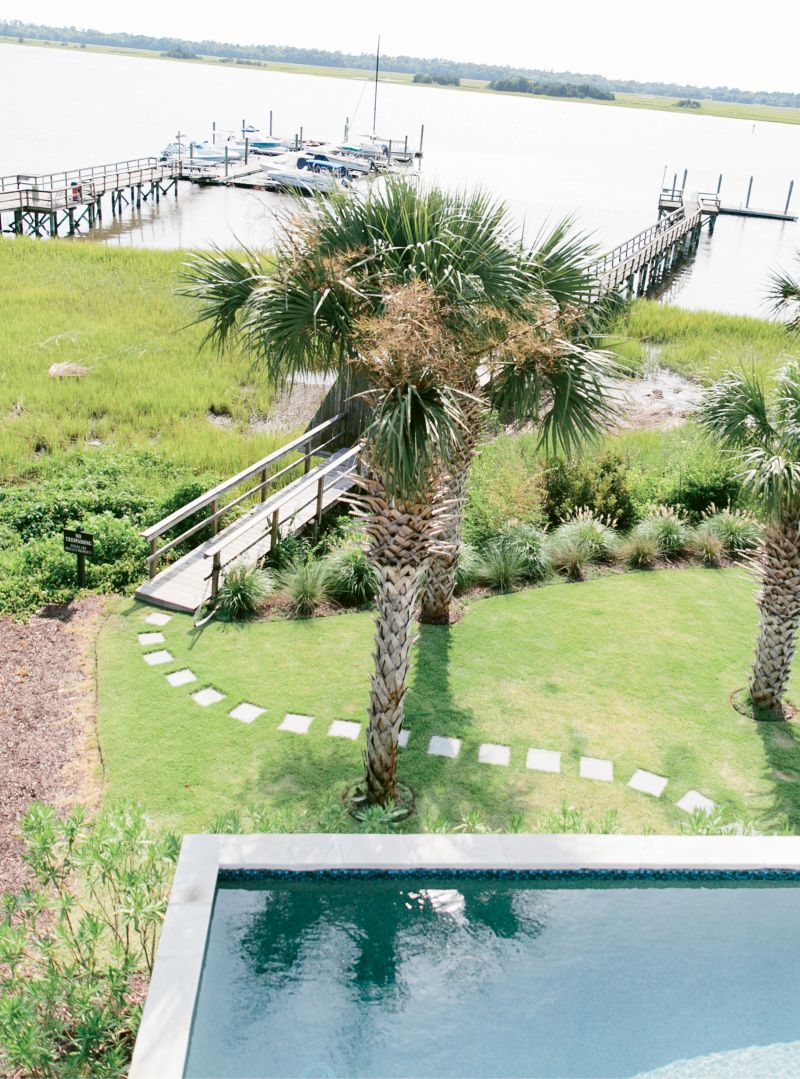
[(322, 161), (286, 177)]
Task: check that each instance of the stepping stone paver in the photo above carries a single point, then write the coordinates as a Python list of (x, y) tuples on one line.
[(597, 768), (157, 619), (246, 713), (152, 659), (693, 800), (295, 723), (151, 638), (208, 696), (648, 782), (181, 678), (543, 760), (444, 747), (490, 753), (341, 728), (402, 739)]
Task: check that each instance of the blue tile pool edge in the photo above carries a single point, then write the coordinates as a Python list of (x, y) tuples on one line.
[(228, 875)]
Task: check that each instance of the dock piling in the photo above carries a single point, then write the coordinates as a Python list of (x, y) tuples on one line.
[(788, 198), (749, 193)]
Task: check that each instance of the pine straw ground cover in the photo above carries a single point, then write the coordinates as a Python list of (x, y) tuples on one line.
[(637, 668)]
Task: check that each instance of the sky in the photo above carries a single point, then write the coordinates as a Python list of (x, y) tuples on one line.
[(712, 42)]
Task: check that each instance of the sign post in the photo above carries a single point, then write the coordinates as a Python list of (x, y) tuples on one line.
[(81, 544)]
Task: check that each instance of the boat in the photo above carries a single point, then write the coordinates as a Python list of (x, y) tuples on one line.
[(205, 153), (263, 144), (303, 181), (324, 161)]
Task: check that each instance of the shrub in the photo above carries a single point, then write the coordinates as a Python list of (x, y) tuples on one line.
[(706, 547), (77, 947), (351, 576), (501, 566), (242, 592), (467, 568), (287, 552), (505, 484), (531, 543), (306, 585), (602, 485), (640, 550), (592, 535), (667, 527), (737, 530)]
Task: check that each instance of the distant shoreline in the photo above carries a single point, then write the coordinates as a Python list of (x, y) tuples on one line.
[(725, 109)]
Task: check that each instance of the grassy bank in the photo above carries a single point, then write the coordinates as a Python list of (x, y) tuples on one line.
[(728, 109), (652, 693), (149, 386)]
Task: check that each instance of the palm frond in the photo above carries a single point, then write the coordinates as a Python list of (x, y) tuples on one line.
[(783, 297), (222, 284), (735, 411)]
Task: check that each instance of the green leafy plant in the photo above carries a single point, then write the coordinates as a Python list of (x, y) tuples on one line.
[(738, 530), (377, 819), (351, 576), (531, 543), (242, 592), (467, 568), (306, 583), (601, 485), (77, 947), (593, 534), (667, 526), (501, 565), (471, 822)]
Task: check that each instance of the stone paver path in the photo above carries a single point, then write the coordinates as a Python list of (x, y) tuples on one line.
[(181, 678), (543, 760), (295, 723), (693, 800), (208, 696), (246, 713), (153, 659), (341, 728), (539, 760), (489, 753), (597, 768), (648, 782), (444, 747)]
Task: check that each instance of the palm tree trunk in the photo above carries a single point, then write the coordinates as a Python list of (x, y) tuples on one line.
[(398, 591), (779, 607), (440, 573), (401, 536)]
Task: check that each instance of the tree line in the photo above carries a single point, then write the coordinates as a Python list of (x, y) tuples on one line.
[(519, 84), (403, 64)]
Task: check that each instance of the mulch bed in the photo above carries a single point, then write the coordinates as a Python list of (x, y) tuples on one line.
[(47, 745)]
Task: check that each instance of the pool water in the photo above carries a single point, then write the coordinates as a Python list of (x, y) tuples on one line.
[(398, 975)]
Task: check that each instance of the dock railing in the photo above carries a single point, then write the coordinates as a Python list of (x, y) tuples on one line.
[(323, 479), (308, 445), (59, 190), (624, 251)]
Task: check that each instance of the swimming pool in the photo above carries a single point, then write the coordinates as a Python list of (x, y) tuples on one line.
[(579, 962)]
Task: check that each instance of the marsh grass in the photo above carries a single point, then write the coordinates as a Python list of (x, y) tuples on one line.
[(150, 386)]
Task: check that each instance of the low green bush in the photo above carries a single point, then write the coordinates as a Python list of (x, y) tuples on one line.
[(640, 550), (77, 947), (351, 576), (501, 565), (737, 530), (306, 583), (594, 536), (531, 543), (568, 556), (706, 547), (242, 593), (601, 485), (666, 527)]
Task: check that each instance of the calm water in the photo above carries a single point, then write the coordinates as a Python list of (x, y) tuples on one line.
[(546, 159), (454, 977)]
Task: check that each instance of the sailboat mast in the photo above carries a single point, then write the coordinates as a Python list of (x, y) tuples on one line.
[(375, 104)]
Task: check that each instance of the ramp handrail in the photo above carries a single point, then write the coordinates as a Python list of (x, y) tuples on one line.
[(212, 498)]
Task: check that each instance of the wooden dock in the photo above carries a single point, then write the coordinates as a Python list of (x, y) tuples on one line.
[(326, 474), (43, 205)]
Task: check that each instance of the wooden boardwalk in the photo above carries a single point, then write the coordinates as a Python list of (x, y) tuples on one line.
[(195, 577)]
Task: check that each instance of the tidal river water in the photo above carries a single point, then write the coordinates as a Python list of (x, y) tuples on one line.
[(546, 159)]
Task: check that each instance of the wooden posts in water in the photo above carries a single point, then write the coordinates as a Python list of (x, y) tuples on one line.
[(270, 123), (788, 198), (749, 193)]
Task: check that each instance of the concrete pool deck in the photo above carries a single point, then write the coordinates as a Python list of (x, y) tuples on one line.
[(163, 1040)]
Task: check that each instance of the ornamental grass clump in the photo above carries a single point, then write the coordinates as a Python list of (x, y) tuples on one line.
[(568, 556), (351, 576), (738, 530), (243, 592), (306, 583), (640, 550), (501, 566), (668, 528), (531, 543), (706, 547), (467, 568), (593, 534)]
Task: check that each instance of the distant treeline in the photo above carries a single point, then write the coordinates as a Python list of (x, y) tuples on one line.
[(406, 64), (441, 78), (518, 84)]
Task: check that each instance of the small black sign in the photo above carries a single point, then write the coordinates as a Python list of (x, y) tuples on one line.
[(77, 542)]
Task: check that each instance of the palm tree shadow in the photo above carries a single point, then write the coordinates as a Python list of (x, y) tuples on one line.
[(432, 709), (781, 742)]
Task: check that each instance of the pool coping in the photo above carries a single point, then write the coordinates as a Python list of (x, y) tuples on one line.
[(162, 1043)]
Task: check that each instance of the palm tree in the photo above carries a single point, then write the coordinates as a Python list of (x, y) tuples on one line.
[(784, 296), (410, 291), (551, 356), (765, 435)]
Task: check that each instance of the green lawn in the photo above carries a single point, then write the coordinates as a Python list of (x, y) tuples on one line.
[(637, 668)]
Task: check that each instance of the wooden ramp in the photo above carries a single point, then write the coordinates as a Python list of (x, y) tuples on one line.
[(195, 577)]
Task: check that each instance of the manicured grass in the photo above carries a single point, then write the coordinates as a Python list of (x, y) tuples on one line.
[(149, 386), (730, 109), (637, 668), (699, 344)]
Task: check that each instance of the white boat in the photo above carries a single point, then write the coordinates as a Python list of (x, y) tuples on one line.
[(205, 153), (287, 177)]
